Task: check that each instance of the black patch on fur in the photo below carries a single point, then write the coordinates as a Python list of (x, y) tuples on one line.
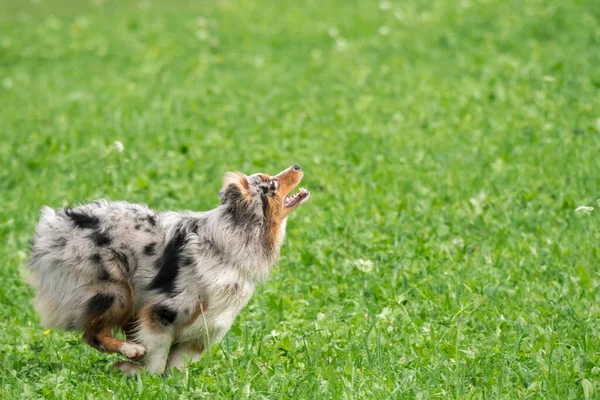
[(98, 304), (96, 343), (163, 315), (150, 249), (100, 238), (138, 227), (169, 263), (103, 274), (151, 219), (194, 224), (81, 219), (265, 203)]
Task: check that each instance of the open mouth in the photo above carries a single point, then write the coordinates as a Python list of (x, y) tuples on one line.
[(294, 199)]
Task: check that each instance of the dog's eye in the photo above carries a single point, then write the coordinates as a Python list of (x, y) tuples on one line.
[(264, 188), (269, 186)]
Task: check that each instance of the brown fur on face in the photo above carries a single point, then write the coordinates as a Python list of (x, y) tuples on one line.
[(288, 181)]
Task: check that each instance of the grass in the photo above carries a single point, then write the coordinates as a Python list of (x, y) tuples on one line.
[(446, 145)]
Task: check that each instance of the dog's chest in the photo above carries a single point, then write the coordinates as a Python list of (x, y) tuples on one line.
[(225, 301)]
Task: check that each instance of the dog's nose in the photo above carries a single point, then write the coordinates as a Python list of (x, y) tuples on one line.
[(296, 167)]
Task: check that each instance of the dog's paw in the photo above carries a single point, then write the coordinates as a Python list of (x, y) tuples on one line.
[(132, 350), (128, 368)]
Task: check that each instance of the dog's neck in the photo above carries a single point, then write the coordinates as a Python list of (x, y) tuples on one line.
[(251, 243)]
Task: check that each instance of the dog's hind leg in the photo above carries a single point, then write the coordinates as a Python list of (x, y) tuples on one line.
[(104, 341), (106, 310)]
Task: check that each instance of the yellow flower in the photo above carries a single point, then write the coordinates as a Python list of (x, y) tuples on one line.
[(46, 332)]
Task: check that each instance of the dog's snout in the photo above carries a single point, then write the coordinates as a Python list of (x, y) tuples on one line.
[(296, 167)]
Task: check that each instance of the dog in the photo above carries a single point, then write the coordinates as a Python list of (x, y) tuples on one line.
[(174, 282)]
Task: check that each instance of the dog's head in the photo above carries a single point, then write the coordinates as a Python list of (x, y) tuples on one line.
[(262, 195)]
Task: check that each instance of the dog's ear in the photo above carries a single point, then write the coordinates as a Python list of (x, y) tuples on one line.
[(235, 188)]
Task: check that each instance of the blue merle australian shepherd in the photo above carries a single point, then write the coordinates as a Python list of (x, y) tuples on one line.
[(173, 282)]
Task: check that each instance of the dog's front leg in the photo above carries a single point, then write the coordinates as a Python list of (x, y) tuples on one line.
[(192, 350), (158, 345), (155, 333)]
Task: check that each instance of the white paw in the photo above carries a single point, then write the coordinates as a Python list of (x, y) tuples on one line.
[(132, 350), (127, 368)]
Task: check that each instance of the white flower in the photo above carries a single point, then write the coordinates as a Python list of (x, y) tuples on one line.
[(584, 209), (259, 61), (274, 333), (385, 5), (458, 242), (320, 316), (548, 78), (202, 35), (478, 203), (386, 314), (119, 146), (399, 14), (340, 44), (333, 32), (365, 266), (426, 329), (384, 31)]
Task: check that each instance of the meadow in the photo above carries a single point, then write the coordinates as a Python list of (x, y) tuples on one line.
[(446, 145)]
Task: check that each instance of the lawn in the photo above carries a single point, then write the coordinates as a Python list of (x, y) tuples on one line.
[(446, 145)]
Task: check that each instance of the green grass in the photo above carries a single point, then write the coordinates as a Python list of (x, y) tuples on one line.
[(446, 145)]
